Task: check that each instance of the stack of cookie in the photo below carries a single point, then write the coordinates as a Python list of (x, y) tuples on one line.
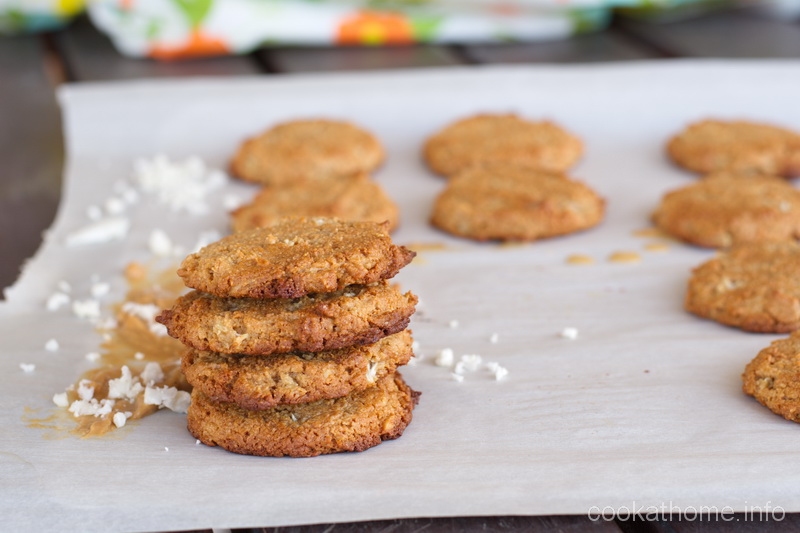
[(294, 336)]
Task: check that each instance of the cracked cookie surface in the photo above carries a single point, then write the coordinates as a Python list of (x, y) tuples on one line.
[(354, 197), (307, 150), (352, 423), (773, 377), (496, 138), (723, 209), (261, 382), (752, 286), (325, 321), (740, 147), (293, 258), (507, 202)]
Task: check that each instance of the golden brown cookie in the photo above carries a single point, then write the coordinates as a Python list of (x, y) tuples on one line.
[(349, 424), (293, 258), (307, 150), (324, 321), (485, 139), (736, 146), (754, 287), (773, 377), (723, 209), (508, 202), (354, 197), (261, 382)]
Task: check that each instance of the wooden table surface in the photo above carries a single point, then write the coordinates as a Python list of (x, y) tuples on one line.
[(32, 154)]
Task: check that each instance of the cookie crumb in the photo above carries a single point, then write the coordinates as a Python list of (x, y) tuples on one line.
[(445, 357), (570, 333), (51, 345), (27, 367)]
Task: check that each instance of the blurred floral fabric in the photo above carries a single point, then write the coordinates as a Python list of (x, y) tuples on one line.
[(175, 29)]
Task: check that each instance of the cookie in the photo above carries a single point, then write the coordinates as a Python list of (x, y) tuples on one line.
[(354, 197), (507, 202), (723, 209), (736, 146), (752, 286), (261, 382), (773, 377), (307, 150), (349, 424), (317, 322), (485, 139), (293, 258)]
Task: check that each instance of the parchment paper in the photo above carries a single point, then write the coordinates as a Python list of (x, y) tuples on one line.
[(644, 408)]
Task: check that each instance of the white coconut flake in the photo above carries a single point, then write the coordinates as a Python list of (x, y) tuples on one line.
[(169, 397), (500, 373), (471, 362), (459, 368), (119, 419), (64, 286), (61, 399), (94, 213), (86, 309), (101, 231), (453, 324), (570, 333), (91, 407), (92, 357), (494, 338), (372, 371), (114, 206), (492, 366), (27, 367), (181, 185), (457, 377), (85, 390), (99, 289), (126, 386), (56, 301), (51, 345), (139, 356), (152, 374), (159, 243), (444, 357)]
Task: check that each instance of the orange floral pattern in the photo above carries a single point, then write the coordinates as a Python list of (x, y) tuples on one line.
[(197, 45), (375, 28)]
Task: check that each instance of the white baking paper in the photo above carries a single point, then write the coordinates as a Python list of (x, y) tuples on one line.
[(643, 408)]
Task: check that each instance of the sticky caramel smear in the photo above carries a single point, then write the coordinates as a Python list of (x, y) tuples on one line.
[(624, 257), (134, 342), (580, 259), (651, 233), (656, 247), (426, 246)]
